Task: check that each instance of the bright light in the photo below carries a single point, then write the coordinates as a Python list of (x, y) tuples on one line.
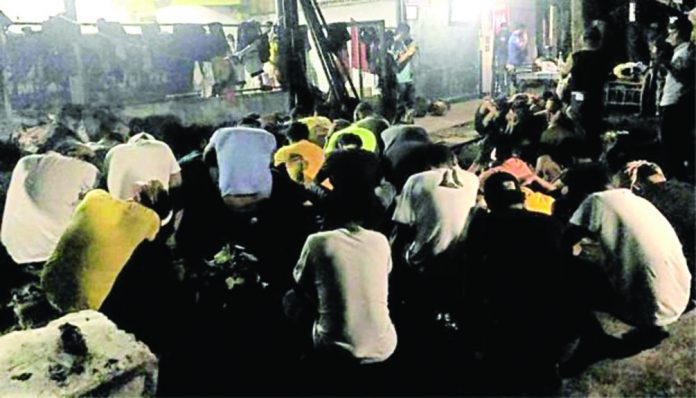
[(92, 10), (31, 10), (468, 11), (193, 14)]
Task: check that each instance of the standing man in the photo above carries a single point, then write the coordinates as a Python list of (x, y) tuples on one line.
[(517, 51), (403, 51), (677, 103)]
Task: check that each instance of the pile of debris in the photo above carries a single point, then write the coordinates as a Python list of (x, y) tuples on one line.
[(80, 354)]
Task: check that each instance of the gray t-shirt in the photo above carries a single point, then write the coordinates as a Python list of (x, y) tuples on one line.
[(244, 157)]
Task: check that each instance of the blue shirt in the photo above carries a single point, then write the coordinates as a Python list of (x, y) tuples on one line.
[(244, 157), (517, 55)]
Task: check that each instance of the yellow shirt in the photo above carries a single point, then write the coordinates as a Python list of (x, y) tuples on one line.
[(318, 127), (368, 138), (538, 202), (302, 159), (102, 235)]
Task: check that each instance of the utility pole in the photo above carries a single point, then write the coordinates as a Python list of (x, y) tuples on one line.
[(77, 82), (400, 12), (7, 105), (70, 9)]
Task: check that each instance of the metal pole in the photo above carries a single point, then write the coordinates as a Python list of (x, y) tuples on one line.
[(360, 62), (3, 75), (70, 9)]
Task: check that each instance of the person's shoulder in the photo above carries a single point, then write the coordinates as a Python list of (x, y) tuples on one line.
[(310, 146), (30, 159), (355, 129), (97, 195), (467, 175), (372, 236), (318, 238)]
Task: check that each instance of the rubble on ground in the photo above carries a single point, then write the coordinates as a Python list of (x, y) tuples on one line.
[(80, 354)]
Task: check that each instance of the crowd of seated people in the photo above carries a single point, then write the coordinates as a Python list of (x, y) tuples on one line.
[(381, 262)]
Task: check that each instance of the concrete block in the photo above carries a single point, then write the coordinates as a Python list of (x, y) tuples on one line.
[(80, 354)]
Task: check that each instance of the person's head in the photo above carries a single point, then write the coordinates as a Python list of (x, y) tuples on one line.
[(110, 126), (363, 110), (70, 116), (586, 179), (520, 27), (154, 196), (505, 149), (74, 149), (639, 174), (297, 132), (251, 120), (502, 191), (440, 156), (679, 31), (349, 141), (403, 32), (592, 38), (338, 125)]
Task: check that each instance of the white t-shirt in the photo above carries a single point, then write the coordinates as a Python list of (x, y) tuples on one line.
[(645, 262), (43, 193), (672, 91), (244, 157), (438, 208), (142, 159), (350, 271)]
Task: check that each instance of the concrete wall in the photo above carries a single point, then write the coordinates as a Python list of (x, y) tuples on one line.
[(448, 65), (212, 111)]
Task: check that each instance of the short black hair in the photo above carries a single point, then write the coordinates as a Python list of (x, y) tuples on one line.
[(297, 132), (348, 139), (593, 36), (341, 124), (71, 110), (363, 110), (683, 27), (502, 190), (439, 155), (251, 120), (403, 28), (587, 178), (155, 197)]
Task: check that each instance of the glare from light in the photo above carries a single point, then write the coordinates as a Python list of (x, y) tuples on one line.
[(92, 10), (468, 11), (31, 10), (193, 14)]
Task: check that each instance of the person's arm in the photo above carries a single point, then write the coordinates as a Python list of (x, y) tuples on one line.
[(303, 273), (682, 68), (405, 57), (325, 171), (404, 218), (210, 152)]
